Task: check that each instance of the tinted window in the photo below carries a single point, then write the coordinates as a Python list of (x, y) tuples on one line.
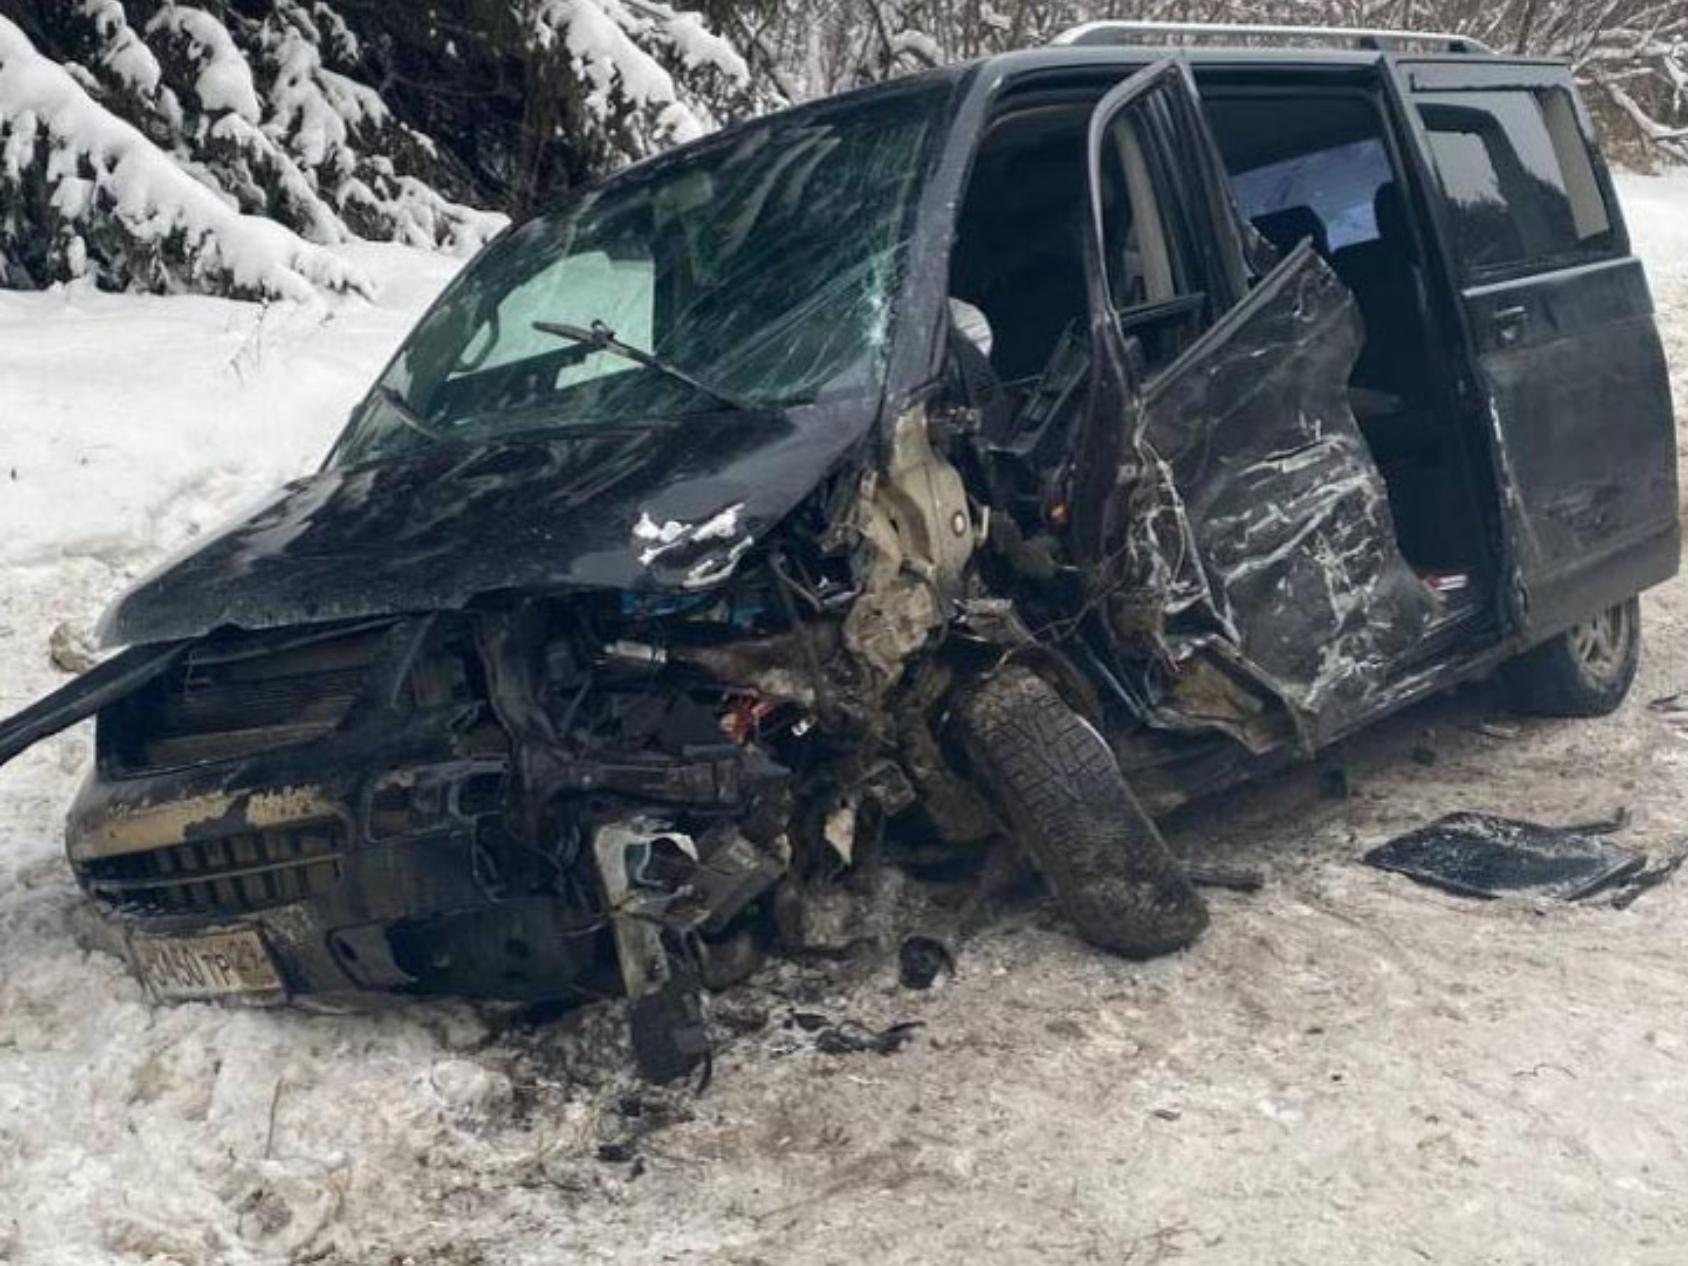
[(1517, 178)]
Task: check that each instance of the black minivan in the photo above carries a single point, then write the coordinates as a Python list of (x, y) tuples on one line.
[(1015, 450)]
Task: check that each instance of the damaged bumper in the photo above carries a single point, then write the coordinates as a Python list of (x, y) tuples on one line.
[(350, 881)]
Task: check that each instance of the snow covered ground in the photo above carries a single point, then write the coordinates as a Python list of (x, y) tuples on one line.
[(1346, 1068)]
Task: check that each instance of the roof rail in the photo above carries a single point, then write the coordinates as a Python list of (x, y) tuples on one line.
[(1111, 32)]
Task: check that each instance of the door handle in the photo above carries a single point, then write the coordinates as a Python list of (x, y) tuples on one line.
[(1510, 324)]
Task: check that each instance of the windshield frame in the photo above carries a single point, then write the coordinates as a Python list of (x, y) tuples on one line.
[(938, 151)]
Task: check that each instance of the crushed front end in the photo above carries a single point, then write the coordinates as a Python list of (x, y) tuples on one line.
[(418, 805), (562, 797)]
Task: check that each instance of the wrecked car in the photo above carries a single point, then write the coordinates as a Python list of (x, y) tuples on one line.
[(1021, 449)]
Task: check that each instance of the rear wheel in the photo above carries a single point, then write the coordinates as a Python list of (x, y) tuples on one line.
[(1056, 781), (1583, 672)]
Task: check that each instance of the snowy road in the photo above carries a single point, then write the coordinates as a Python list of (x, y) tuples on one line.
[(1346, 1068)]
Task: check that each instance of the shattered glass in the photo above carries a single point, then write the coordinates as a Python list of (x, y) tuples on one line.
[(762, 263)]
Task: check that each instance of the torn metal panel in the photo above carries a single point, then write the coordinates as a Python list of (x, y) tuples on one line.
[(1283, 519), (127, 827), (622, 850), (1480, 855), (914, 533)]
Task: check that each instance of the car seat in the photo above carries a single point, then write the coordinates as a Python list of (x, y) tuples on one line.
[(1384, 277), (1287, 227)]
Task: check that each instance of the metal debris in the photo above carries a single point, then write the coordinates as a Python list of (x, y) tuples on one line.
[(850, 1038), (1610, 825), (666, 1027), (1218, 875), (1649, 878)]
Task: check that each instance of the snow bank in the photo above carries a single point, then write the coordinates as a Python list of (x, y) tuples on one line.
[(102, 170), (133, 422)]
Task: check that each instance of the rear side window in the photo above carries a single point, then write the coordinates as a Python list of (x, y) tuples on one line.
[(1517, 177)]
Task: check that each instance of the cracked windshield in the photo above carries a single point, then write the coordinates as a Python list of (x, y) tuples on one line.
[(757, 271)]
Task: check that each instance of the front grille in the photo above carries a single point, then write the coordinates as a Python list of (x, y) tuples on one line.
[(230, 874), (234, 698)]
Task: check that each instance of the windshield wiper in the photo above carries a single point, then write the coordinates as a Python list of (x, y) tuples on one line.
[(600, 338), (409, 416)]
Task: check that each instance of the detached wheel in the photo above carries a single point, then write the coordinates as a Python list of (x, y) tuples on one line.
[(1583, 672), (1057, 783)]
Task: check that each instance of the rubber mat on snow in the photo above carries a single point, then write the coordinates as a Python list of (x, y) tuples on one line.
[(1478, 855)]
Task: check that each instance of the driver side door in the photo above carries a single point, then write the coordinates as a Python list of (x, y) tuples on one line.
[(1225, 500)]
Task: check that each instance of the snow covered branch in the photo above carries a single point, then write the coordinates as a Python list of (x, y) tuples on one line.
[(616, 50), (337, 119), (85, 193)]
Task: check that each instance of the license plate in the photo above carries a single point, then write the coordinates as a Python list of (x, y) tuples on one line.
[(218, 965)]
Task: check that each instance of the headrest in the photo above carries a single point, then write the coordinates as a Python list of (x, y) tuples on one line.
[(1390, 211)]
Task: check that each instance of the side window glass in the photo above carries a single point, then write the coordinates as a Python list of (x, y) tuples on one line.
[(1151, 281), (1305, 166), (1588, 206), (1517, 178)]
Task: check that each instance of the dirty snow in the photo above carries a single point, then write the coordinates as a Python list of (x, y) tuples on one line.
[(1347, 1067)]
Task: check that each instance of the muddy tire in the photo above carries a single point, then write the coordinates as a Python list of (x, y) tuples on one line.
[(1057, 784), (1583, 672)]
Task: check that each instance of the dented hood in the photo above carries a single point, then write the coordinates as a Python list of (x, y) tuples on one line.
[(671, 506)]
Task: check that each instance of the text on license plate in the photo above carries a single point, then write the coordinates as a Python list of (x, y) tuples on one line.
[(210, 966)]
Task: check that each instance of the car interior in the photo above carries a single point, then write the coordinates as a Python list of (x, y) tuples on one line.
[(1306, 164)]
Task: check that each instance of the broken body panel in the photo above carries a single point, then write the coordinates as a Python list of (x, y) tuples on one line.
[(568, 713)]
